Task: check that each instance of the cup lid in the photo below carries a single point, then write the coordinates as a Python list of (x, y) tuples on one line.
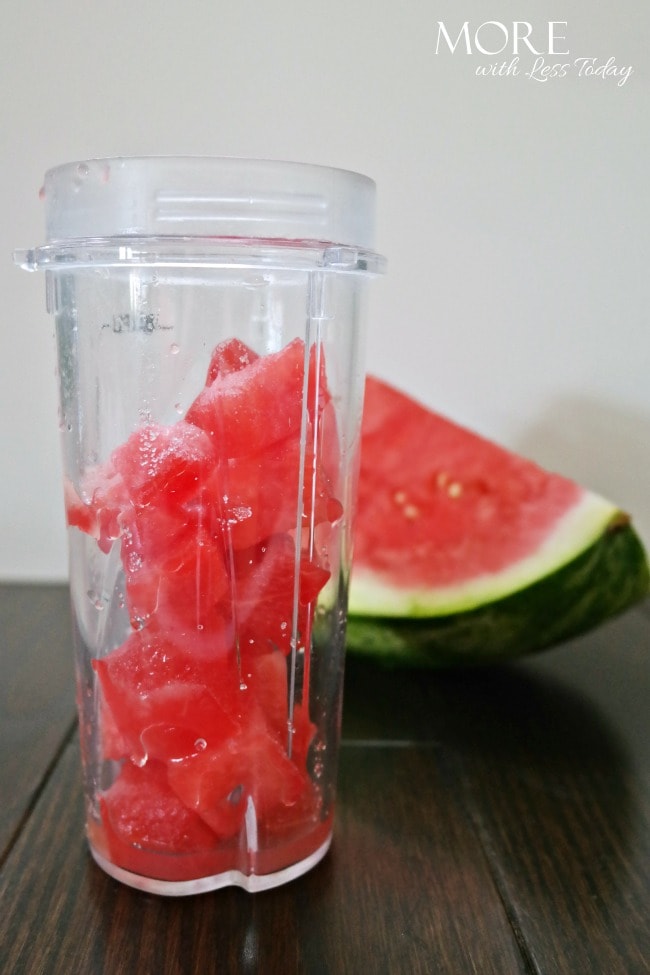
[(188, 196)]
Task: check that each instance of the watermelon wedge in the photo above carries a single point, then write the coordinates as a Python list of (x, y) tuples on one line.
[(467, 553)]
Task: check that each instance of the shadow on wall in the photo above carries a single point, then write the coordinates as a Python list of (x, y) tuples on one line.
[(602, 446)]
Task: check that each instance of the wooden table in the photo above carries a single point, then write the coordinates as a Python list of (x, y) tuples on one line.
[(494, 821)]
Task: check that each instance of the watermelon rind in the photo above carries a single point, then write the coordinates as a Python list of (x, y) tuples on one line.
[(607, 574), (376, 595)]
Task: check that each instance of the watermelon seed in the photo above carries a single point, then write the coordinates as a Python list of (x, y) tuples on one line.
[(236, 795)]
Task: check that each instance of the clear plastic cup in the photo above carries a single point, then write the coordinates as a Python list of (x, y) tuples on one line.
[(209, 321)]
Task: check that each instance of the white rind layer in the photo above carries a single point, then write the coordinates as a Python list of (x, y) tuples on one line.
[(576, 531)]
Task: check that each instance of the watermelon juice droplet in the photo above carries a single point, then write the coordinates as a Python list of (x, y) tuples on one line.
[(95, 599)]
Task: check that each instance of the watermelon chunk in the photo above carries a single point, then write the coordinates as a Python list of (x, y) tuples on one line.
[(229, 356), (466, 552), (150, 682), (257, 494), (169, 462), (249, 408), (218, 783), (212, 516), (141, 809), (264, 586)]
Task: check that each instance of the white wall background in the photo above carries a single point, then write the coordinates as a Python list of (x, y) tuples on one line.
[(514, 213)]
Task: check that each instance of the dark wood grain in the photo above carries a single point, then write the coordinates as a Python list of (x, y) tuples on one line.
[(551, 757), (561, 784), (406, 887), (489, 821), (37, 709)]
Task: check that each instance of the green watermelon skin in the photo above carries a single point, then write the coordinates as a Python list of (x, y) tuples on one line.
[(601, 582)]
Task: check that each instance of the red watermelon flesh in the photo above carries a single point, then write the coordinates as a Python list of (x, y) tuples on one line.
[(194, 704), (454, 506), (141, 809), (247, 409)]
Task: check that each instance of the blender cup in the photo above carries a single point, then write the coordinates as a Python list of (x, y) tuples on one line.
[(209, 325)]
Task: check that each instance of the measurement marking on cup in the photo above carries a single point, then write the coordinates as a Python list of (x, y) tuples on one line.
[(126, 322)]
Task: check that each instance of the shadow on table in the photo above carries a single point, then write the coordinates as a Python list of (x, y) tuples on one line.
[(520, 724), (508, 712), (546, 781)]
